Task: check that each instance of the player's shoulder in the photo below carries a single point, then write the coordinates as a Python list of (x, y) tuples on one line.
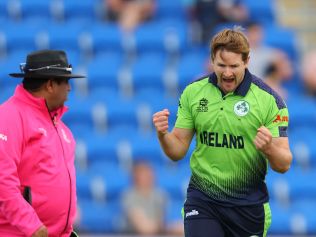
[(198, 83), (265, 93)]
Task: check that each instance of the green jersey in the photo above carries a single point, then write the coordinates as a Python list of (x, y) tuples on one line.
[(225, 164)]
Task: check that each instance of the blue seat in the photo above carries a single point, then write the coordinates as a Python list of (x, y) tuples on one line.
[(166, 9), (304, 218), (63, 35), (98, 217), (174, 209), (165, 36), (282, 38), (36, 9), (19, 36), (98, 182), (192, 66), (147, 148), (281, 219), (103, 71), (294, 185), (261, 11), (297, 219), (155, 100), (106, 37), (10, 65), (6, 93), (147, 72), (297, 112), (78, 10), (4, 14), (303, 145), (173, 179), (79, 112)]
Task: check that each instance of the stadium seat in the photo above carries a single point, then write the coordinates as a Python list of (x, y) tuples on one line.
[(63, 35), (301, 116), (293, 185), (40, 10), (104, 70), (174, 209), (303, 221), (147, 72), (11, 64), (173, 179), (78, 10), (303, 146), (167, 36), (105, 37), (170, 10), (192, 66), (261, 11), (95, 217), (280, 219), (282, 38), (98, 183), (4, 11), (19, 36)]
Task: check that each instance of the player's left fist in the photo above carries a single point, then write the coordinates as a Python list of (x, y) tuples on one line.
[(263, 139)]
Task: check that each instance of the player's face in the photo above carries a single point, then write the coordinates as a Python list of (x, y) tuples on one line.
[(229, 69)]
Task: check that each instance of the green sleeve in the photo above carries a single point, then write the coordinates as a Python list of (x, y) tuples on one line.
[(277, 120), (184, 115)]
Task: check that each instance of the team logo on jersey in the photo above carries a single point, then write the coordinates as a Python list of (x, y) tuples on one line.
[(241, 108), (202, 105)]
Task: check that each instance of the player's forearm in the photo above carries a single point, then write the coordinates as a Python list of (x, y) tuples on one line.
[(280, 158), (172, 146)]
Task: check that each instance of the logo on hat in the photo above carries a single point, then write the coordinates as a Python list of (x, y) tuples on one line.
[(241, 108)]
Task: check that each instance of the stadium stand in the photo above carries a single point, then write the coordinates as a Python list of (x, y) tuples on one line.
[(131, 76)]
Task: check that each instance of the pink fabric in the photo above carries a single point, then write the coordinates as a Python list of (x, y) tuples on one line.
[(34, 152)]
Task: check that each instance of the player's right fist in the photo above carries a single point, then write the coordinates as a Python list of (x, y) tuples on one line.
[(160, 120)]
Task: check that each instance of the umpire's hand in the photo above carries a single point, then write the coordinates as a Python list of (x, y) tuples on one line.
[(41, 232)]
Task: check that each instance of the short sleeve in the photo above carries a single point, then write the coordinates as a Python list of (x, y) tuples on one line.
[(278, 119), (184, 115)]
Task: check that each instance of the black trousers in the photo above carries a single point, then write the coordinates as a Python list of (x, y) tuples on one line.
[(206, 219)]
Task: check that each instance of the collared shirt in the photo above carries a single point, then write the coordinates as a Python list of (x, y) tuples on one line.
[(35, 152), (225, 164)]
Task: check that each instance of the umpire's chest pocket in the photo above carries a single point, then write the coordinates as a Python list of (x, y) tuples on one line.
[(48, 152)]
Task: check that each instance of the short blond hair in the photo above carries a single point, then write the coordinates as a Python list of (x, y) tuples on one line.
[(233, 40)]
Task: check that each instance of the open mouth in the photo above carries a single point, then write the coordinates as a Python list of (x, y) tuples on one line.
[(228, 80)]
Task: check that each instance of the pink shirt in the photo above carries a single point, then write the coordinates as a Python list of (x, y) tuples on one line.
[(35, 152)]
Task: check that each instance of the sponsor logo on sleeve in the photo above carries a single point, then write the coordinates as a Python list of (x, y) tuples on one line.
[(280, 118)]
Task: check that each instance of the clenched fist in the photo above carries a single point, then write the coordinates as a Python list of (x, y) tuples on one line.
[(160, 120), (263, 139)]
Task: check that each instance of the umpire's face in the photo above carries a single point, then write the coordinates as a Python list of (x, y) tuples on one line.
[(229, 69), (58, 93)]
